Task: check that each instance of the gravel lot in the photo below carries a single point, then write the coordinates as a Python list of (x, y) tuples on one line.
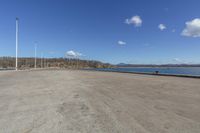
[(63, 101)]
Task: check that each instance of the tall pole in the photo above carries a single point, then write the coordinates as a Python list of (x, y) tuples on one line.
[(16, 62), (35, 56)]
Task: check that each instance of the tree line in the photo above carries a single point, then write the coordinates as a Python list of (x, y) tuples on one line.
[(29, 62)]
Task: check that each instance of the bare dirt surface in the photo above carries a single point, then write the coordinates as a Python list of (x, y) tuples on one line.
[(63, 101)]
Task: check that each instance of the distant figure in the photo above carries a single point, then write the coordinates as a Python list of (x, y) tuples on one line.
[(157, 72)]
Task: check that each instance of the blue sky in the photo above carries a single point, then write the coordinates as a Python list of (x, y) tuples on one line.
[(114, 31)]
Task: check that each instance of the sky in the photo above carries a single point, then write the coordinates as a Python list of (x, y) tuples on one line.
[(113, 31)]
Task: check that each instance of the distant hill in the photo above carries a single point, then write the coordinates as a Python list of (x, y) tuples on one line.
[(153, 65), (122, 64), (24, 62)]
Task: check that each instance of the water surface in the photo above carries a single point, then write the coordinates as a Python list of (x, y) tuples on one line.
[(193, 71)]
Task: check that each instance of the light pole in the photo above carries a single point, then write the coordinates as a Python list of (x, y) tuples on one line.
[(17, 26)]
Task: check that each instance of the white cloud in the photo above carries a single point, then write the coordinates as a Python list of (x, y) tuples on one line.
[(192, 28), (162, 27), (73, 54), (121, 43), (135, 20), (179, 61)]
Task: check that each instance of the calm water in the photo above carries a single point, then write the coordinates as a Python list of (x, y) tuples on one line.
[(194, 71)]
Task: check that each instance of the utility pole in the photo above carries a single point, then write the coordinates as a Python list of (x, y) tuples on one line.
[(17, 26), (35, 55)]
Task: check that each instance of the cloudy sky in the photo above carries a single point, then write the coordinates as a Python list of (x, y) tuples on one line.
[(129, 31)]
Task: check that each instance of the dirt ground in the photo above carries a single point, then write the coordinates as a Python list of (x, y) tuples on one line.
[(63, 101)]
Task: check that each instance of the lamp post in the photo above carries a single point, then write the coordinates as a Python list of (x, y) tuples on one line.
[(17, 30)]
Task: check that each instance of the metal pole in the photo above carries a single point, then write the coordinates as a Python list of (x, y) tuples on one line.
[(16, 62), (35, 56)]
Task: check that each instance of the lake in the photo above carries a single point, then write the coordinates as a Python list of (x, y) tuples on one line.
[(193, 71)]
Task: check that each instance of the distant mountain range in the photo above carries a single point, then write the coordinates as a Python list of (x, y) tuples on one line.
[(154, 65)]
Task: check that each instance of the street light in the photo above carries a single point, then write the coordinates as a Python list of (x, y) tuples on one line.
[(17, 30)]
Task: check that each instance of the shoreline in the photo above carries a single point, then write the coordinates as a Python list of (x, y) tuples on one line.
[(142, 73), (146, 73)]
